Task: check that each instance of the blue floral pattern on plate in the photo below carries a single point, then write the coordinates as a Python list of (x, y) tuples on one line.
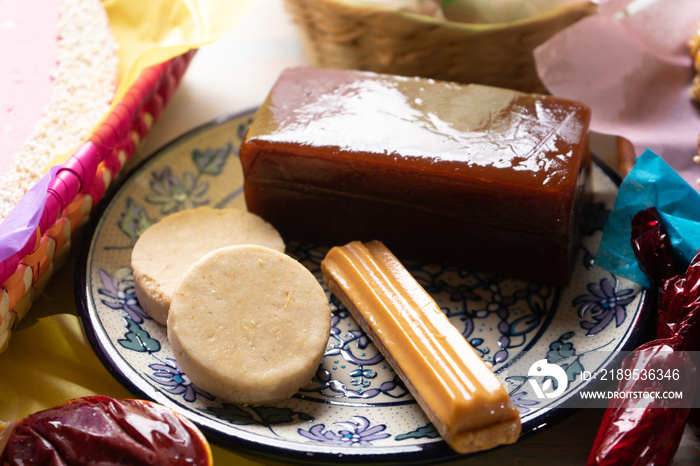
[(356, 404)]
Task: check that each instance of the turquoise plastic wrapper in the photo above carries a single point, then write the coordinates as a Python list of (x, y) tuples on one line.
[(651, 183)]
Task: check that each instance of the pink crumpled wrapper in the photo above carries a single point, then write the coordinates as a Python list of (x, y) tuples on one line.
[(631, 64)]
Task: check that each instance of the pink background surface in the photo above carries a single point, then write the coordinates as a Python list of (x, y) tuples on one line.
[(634, 70), (28, 47)]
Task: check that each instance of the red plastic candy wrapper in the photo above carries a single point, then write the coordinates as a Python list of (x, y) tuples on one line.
[(652, 246), (648, 431), (104, 430)]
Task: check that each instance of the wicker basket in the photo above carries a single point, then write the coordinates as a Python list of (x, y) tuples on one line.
[(79, 184), (349, 34)]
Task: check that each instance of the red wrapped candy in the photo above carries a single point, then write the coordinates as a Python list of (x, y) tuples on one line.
[(103, 430), (645, 431)]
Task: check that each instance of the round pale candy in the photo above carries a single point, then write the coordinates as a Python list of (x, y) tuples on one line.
[(249, 324), (168, 248)]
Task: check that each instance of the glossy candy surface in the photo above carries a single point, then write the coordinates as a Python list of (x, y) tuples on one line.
[(480, 176), (104, 430), (642, 431)]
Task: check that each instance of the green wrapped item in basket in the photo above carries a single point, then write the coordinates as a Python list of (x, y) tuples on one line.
[(468, 41)]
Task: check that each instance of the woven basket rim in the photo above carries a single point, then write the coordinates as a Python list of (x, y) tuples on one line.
[(543, 17)]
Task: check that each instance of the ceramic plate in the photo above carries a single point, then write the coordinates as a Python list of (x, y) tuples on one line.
[(356, 408)]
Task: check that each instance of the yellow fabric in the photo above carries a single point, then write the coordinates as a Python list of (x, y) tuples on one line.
[(152, 31), (50, 361)]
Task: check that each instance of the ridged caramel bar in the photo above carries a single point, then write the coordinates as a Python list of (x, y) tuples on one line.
[(463, 399), (478, 176)]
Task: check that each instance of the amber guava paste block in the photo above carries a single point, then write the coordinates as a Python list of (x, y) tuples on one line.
[(482, 177)]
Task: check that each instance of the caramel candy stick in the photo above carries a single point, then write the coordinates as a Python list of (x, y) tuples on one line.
[(464, 400)]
